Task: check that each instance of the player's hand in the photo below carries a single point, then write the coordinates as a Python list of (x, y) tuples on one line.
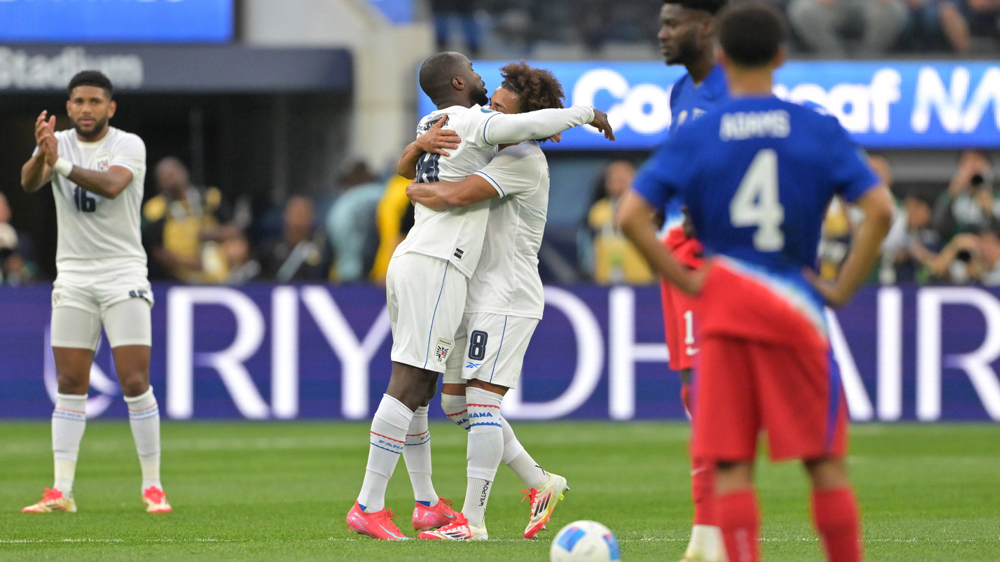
[(831, 293), (50, 148), (437, 140), (556, 138), (44, 126), (600, 122)]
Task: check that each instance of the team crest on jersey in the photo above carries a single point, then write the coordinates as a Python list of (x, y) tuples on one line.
[(442, 350), (103, 162)]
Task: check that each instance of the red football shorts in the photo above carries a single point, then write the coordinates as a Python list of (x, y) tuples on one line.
[(788, 387), (678, 307)]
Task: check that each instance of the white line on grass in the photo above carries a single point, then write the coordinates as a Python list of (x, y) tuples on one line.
[(359, 539)]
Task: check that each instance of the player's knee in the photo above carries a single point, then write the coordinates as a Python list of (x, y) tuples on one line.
[(134, 383), (72, 383), (827, 473)]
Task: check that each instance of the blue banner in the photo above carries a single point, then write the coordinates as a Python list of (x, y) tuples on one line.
[(289, 352), (116, 21), (889, 104)]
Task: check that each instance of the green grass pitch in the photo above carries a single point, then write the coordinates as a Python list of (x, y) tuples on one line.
[(279, 491)]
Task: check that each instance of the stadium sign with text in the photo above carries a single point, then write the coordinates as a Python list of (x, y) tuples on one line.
[(288, 352), (178, 68), (931, 105)]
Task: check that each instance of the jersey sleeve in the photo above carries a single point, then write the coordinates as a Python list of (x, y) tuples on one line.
[(130, 153), (513, 170), (500, 128), (664, 174), (848, 167)]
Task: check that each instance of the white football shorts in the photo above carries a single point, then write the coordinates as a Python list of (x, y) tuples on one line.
[(493, 348), (426, 297), (82, 303)]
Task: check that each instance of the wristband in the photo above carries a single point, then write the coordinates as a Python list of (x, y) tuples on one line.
[(63, 167)]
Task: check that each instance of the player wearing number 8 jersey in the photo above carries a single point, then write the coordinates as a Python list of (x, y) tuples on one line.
[(757, 175), (503, 308), (427, 282), (97, 174)]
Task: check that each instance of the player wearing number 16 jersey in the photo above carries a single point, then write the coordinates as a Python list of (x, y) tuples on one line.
[(97, 174), (757, 175)]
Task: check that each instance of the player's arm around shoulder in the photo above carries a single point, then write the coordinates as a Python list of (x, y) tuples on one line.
[(437, 140)]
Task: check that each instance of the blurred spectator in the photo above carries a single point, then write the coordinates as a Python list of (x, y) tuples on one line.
[(15, 250), (181, 226), (910, 238), (391, 217), (937, 25), (983, 16), (968, 204), (835, 239), (302, 253), (447, 12), (824, 25), (615, 258), (239, 261), (987, 257), (350, 224)]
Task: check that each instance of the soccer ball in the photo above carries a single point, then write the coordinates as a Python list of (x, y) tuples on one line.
[(585, 541)]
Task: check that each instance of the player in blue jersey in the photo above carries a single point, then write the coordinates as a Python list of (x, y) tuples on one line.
[(687, 37), (757, 175)]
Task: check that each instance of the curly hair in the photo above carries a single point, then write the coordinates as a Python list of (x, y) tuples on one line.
[(537, 88)]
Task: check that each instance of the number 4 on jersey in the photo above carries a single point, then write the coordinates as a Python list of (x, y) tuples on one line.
[(84, 202), (756, 202)]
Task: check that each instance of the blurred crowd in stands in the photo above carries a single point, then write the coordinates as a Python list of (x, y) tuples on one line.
[(941, 234), (825, 28)]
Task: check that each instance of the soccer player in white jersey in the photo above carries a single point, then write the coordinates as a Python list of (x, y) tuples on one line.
[(427, 282), (97, 174), (504, 305)]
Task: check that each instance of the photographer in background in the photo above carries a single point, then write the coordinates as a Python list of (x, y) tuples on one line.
[(968, 206)]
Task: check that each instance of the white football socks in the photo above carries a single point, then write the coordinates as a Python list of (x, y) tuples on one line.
[(514, 454), (484, 452), (518, 459), (417, 455), (388, 438), (69, 420), (454, 408), (144, 417)]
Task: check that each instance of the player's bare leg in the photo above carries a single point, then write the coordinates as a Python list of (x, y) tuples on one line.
[(132, 366), (738, 511), (69, 420), (835, 509)]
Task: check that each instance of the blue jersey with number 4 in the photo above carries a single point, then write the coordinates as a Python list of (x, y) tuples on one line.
[(757, 175)]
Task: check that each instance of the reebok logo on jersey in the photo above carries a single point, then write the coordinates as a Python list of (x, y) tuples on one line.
[(442, 350), (471, 365)]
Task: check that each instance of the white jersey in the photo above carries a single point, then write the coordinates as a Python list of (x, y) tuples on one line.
[(457, 235), (507, 281), (99, 235)]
